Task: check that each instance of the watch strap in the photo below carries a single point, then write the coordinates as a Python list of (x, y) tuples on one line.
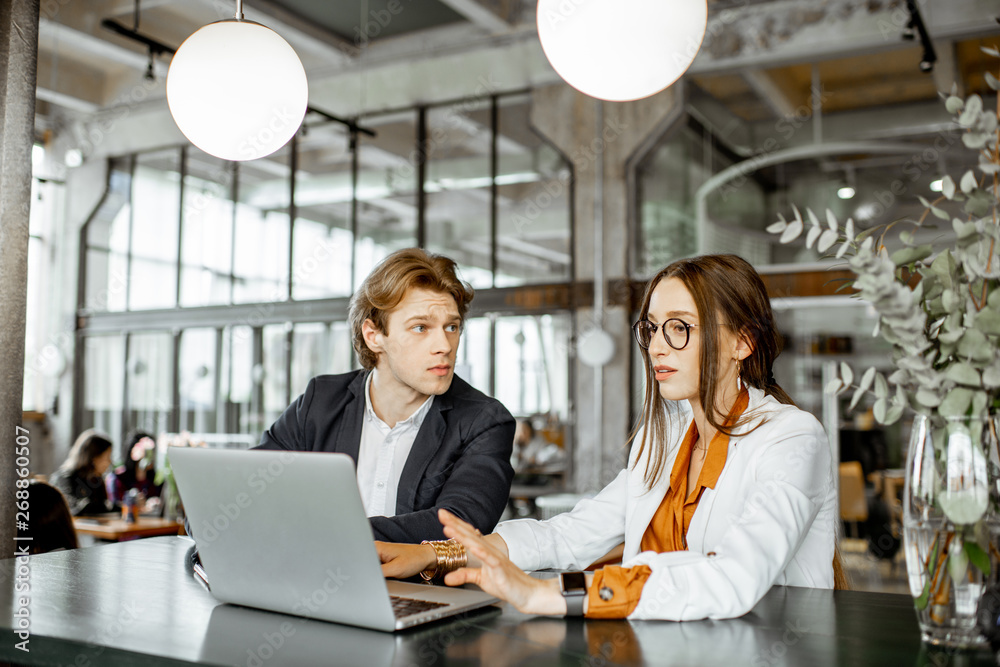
[(574, 596)]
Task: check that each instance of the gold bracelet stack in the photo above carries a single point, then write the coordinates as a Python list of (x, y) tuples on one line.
[(451, 556)]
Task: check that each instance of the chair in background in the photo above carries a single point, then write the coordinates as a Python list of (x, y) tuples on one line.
[(853, 504)]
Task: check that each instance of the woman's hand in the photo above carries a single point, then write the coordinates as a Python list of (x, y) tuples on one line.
[(400, 561), (497, 575)]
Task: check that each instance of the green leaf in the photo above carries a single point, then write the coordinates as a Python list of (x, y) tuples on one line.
[(954, 104), (990, 51), (978, 557), (975, 346), (905, 256), (992, 81), (993, 300), (832, 386), (881, 386), (988, 321), (964, 230), (969, 182), (970, 114), (948, 187), (893, 414), (928, 398), (956, 403), (976, 140), (940, 213), (867, 378), (858, 393), (812, 235), (776, 227), (879, 410), (826, 240), (793, 230), (846, 374), (963, 373), (950, 300), (831, 221)]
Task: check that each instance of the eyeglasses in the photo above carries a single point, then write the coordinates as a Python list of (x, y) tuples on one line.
[(676, 332)]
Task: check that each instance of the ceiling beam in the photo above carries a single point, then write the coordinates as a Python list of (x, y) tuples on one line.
[(769, 92), (69, 84), (478, 14), (68, 40), (298, 29), (763, 35)]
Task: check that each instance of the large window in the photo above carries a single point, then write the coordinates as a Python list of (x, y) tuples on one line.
[(248, 267)]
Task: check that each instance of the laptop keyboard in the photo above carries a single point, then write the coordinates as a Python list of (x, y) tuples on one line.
[(403, 607)]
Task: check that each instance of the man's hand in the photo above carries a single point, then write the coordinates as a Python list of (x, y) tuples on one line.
[(400, 561)]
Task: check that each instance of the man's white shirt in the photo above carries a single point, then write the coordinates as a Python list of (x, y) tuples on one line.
[(383, 454)]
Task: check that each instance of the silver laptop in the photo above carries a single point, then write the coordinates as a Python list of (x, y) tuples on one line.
[(286, 531)]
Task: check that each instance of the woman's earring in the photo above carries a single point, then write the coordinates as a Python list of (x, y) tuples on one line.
[(739, 373)]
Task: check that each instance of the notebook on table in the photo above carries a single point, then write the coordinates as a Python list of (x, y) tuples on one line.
[(286, 532)]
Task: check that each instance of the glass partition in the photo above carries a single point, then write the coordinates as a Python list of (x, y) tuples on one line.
[(261, 236), (103, 386), (532, 364), (322, 235), (459, 187), (156, 200), (149, 373), (534, 224), (207, 230), (319, 349), (387, 190), (198, 380)]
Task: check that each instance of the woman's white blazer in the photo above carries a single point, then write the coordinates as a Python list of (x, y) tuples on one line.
[(769, 520)]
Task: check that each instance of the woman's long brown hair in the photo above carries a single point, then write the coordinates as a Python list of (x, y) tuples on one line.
[(727, 291)]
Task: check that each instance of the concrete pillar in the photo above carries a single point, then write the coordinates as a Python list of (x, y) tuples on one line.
[(18, 60), (602, 159)]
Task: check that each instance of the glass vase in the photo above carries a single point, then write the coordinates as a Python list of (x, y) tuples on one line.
[(950, 525)]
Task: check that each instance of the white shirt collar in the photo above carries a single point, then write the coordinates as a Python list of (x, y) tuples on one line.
[(414, 420)]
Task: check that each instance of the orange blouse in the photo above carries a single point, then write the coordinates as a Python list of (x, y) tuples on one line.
[(667, 530)]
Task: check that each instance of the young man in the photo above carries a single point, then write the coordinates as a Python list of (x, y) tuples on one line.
[(421, 438)]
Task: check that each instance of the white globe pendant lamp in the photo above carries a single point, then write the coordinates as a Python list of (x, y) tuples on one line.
[(236, 89), (621, 50)]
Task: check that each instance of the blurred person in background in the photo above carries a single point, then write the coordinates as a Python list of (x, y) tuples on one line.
[(81, 476), (137, 472), (51, 524)]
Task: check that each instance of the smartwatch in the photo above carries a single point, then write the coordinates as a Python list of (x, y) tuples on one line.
[(574, 590)]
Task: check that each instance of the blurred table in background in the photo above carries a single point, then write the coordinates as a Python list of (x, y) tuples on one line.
[(113, 528)]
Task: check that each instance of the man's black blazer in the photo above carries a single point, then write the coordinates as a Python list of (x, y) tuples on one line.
[(460, 458)]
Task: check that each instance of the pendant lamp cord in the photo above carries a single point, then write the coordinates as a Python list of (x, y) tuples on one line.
[(239, 10)]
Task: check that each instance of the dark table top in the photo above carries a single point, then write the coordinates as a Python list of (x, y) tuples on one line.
[(136, 603)]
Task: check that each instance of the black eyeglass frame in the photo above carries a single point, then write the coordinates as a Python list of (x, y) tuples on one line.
[(662, 327)]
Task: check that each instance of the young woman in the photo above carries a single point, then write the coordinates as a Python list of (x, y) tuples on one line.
[(138, 471), (81, 476), (728, 490)]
